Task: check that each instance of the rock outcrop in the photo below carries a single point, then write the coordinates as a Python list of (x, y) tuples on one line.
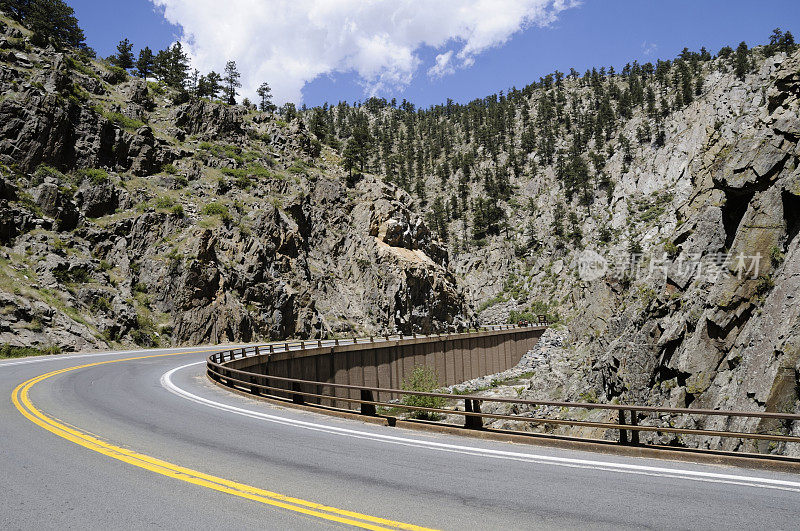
[(126, 218)]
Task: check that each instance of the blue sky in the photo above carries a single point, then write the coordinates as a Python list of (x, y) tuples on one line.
[(596, 33)]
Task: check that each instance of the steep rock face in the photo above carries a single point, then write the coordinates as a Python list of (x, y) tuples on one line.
[(128, 219), (723, 337), (393, 272), (209, 121), (37, 128)]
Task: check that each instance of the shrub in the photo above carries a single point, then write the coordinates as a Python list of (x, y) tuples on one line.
[(764, 285), (116, 75), (10, 351), (298, 166), (164, 202), (169, 168), (532, 314), (776, 256), (155, 87), (672, 250), (96, 175), (76, 275), (177, 211), (44, 171), (216, 209), (101, 305), (422, 379), (123, 121), (140, 287)]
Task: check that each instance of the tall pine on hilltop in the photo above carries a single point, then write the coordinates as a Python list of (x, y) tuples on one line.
[(124, 57), (231, 81), (51, 21)]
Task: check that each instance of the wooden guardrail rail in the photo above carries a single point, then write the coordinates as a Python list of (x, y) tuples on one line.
[(221, 367)]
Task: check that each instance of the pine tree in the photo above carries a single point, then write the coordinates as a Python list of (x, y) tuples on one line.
[(209, 86), (557, 226), (144, 65), (742, 61), (194, 83), (350, 160), (161, 65), (265, 93), (51, 21), (178, 66), (319, 127), (231, 80), (124, 56)]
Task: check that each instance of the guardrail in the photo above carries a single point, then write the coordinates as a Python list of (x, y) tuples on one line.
[(628, 423)]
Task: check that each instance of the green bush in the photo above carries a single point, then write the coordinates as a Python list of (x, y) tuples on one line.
[(101, 305), (764, 285), (216, 209), (123, 121), (423, 379), (164, 202), (96, 175), (776, 256), (532, 314), (10, 351), (43, 171), (82, 67), (117, 75), (177, 211), (155, 87), (169, 168), (672, 250), (77, 275)]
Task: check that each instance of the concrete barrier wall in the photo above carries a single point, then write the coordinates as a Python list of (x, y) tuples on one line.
[(455, 358)]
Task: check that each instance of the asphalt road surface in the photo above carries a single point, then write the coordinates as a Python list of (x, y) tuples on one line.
[(143, 440)]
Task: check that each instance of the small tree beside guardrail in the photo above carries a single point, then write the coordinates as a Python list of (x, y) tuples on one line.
[(424, 379)]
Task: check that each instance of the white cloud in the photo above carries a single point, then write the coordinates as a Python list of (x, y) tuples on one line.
[(290, 42), (649, 48), (443, 65)]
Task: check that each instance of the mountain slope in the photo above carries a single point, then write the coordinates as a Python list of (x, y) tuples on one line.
[(130, 217)]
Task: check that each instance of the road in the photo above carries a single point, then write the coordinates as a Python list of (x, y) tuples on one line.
[(142, 440)]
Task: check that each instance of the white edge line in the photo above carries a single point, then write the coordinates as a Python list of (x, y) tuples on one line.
[(694, 475), (59, 357)]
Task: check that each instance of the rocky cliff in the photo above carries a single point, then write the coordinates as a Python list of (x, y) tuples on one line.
[(660, 229), (691, 300), (128, 216), (653, 212)]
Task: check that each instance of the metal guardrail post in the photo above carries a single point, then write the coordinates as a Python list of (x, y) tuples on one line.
[(297, 398), (623, 434), (367, 409), (253, 389), (472, 421), (634, 422)]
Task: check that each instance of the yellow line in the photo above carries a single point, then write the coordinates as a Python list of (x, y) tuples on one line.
[(23, 403)]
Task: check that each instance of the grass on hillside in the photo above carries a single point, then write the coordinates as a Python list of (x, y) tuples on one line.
[(10, 351)]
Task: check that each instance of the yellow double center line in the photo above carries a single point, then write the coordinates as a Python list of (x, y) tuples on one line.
[(23, 403)]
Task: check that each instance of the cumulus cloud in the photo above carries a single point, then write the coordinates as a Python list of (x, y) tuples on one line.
[(443, 65), (288, 43)]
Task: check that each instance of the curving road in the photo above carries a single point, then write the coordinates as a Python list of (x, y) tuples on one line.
[(143, 439)]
